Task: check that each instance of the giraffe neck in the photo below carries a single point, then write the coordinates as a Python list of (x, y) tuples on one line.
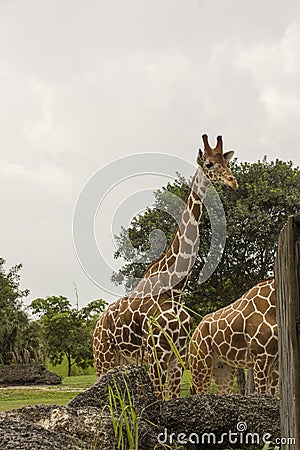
[(183, 250), (171, 270)]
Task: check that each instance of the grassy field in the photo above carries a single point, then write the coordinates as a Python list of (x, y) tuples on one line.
[(17, 397)]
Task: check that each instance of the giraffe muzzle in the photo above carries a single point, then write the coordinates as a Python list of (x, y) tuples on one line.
[(232, 183)]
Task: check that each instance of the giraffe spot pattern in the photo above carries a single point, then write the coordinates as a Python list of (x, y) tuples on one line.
[(243, 334)]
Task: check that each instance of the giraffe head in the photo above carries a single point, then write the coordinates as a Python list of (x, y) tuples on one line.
[(214, 163)]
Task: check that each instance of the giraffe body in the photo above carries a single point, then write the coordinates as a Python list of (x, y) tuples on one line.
[(127, 322), (243, 334), (150, 325)]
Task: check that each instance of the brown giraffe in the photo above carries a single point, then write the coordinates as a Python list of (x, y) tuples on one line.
[(242, 335), (138, 328)]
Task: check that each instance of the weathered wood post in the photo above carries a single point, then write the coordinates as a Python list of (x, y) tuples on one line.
[(250, 382), (287, 276)]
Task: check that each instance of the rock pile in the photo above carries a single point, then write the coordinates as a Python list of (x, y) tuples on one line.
[(122, 405), (22, 374)]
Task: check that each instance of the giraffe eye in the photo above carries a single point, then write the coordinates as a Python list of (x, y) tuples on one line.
[(209, 165)]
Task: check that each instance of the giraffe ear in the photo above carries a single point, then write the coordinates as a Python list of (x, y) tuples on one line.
[(228, 155), (200, 160)]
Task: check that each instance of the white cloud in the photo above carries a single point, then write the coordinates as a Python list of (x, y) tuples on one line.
[(274, 67), (290, 47), (37, 129), (282, 108), (43, 178), (273, 60)]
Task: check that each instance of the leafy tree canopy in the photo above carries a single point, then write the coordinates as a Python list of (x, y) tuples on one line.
[(255, 213), (68, 331), (19, 337)]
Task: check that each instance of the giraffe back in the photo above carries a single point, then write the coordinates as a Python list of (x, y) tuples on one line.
[(244, 329)]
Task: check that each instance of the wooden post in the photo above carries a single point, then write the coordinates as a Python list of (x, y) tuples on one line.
[(250, 388), (241, 381), (287, 276)]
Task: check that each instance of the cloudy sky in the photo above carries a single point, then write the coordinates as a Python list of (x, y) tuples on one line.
[(85, 83)]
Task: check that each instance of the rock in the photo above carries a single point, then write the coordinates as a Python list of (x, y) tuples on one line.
[(16, 434), (131, 386), (23, 374), (66, 425), (132, 383), (91, 419), (222, 416)]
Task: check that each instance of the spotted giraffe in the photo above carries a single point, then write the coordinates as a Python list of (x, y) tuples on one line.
[(151, 325), (244, 334)]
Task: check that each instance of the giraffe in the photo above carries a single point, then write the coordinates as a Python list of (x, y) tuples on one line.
[(151, 325), (243, 334)]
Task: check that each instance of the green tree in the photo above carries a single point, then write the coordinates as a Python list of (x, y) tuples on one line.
[(67, 331), (20, 339), (255, 213)]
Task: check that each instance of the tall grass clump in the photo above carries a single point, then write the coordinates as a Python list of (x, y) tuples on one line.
[(124, 417)]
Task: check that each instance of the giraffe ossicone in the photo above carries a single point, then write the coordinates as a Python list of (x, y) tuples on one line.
[(243, 334), (151, 325)]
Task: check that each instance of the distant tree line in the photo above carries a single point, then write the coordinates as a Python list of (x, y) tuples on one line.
[(55, 331), (20, 338)]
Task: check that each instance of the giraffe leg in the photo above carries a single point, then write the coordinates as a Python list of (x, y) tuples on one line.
[(223, 374), (201, 370), (158, 375), (261, 371), (201, 376), (104, 357), (273, 378), (175, 371), (273, 382), (200, 360), (175, 368)]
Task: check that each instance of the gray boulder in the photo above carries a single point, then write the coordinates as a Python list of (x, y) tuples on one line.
[(25, 374)]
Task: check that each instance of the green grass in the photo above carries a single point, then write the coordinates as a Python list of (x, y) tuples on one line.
[(11, 398), (79, 382), (62, 369), (17, 398), (185, 384)]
